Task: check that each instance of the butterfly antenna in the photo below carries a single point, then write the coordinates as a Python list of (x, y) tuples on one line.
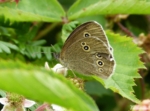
[(55, 54), (53, 47), (73, 73)]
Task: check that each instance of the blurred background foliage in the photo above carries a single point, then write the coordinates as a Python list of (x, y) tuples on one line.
[(35, 42)]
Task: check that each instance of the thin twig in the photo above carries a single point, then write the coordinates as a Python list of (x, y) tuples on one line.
[(124, 29)]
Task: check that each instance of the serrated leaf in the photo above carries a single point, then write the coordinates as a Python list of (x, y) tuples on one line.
[(126, 55), (38, 84), (31, 10), (83, 8)]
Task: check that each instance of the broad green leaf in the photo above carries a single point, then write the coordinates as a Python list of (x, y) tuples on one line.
[(83, 8), (31, 10), (96, 88), (99, 18), (41, 85), (126, 55)]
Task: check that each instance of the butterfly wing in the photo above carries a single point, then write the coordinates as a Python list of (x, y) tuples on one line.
[(87, 51), (95, 61), (91, 27)]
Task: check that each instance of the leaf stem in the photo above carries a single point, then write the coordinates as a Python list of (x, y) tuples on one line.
[(45, 31), (124, 29)]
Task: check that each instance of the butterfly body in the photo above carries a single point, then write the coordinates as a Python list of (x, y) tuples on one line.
[(87, 51)]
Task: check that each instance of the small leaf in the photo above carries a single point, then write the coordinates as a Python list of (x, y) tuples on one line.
[(38, 52), (67, 29), (5, 47), (56, 48), (38, 43), (12, 46), (48, 53), (2, 93), (33, 51)]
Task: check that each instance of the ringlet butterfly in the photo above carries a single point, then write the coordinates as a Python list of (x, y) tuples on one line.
[(88, 51)]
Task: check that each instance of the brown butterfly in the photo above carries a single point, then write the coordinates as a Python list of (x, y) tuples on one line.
[(87, 51)]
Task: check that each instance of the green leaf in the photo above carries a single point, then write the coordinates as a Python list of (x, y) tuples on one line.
[(83, 8), (67, 29), (95, 88), (5, 47), (99, 18), (33, 51), (2, 93), (41, 85), (31, 10), (39, 42), (56, 48), (48, 53), (126, 55)]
